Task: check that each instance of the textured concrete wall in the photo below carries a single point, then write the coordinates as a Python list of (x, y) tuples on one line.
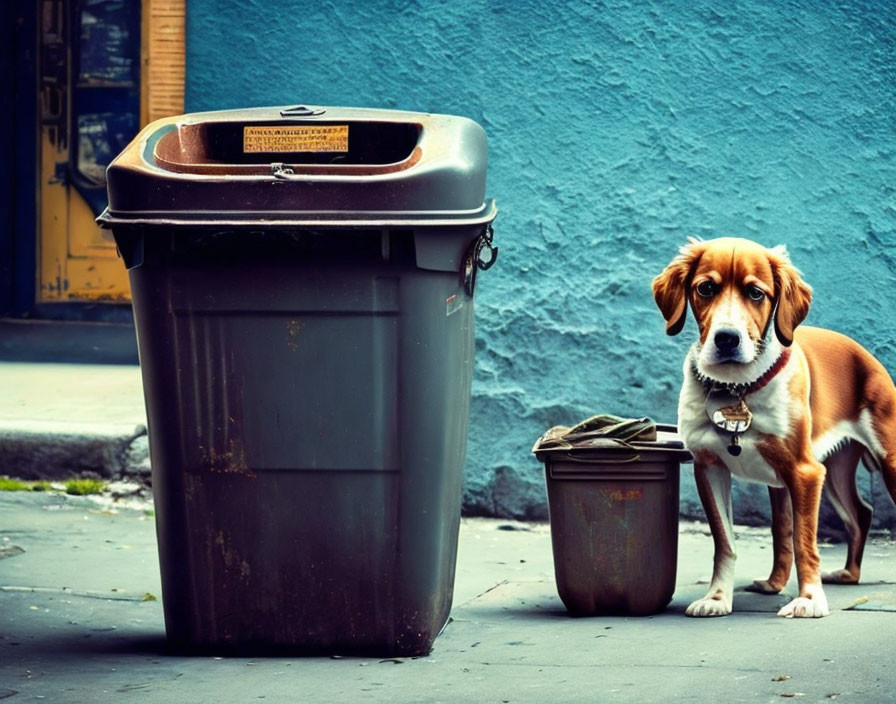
[(616, 130)]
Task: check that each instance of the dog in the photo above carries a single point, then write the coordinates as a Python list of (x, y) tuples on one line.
[(771, 402)]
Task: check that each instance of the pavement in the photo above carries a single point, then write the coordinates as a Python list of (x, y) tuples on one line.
[(81, 612)]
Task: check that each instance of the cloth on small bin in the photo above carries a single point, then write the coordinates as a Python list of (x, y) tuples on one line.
[(602, 431)]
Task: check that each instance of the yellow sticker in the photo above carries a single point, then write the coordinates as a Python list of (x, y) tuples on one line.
[(295, 138)]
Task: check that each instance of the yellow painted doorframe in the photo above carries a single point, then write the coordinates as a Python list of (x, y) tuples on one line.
[(75, 261)]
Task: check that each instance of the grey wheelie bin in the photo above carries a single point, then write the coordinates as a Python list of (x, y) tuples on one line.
[(302, 283)]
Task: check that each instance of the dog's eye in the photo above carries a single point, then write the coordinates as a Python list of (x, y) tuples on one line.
[(707, 289), (755, 293)]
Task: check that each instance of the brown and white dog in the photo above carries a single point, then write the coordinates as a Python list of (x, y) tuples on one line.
[(775, 404)]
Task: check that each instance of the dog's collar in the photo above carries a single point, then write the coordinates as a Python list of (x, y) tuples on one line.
[(741, 390)]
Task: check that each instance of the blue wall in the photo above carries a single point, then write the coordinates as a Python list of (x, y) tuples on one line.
[(616, 130)]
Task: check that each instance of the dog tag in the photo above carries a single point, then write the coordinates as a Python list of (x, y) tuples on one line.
[(734, 448), (734, 419)]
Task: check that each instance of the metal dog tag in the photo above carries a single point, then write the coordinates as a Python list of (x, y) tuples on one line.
[(734, 448), (734, 419)]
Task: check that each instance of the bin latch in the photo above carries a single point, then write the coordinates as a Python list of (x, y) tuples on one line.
[(281, 170), (302, 111), (474, 260)]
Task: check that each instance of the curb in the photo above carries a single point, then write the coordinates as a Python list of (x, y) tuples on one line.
[(37, 450)]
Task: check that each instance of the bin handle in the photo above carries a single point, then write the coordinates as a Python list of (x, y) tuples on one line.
[(474, 260), (300, 171), (585, 459), (302, 111), (606, 475)]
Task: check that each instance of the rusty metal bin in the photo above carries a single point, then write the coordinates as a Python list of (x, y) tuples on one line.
[(302, 284), (614, 521)]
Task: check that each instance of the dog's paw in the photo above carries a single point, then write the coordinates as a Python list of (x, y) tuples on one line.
[(762, 586), (712, 605), (815, 605), (839, 577)]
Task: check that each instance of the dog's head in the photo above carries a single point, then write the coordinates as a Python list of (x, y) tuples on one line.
[(739, 291)]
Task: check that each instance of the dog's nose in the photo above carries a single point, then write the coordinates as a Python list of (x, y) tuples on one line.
[(727, 341)]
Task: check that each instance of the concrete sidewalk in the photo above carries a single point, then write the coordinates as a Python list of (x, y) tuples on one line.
[(80, 621)]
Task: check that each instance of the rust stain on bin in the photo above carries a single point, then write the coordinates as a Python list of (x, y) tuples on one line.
[(293, 327), (231, 461), (231, 556), (624, 494)]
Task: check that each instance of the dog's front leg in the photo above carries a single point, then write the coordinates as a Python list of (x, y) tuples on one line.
[(805, 491), (714, 487), (782, 542)]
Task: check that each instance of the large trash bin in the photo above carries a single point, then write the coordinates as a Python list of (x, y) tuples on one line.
[(613, 499), (302, 285)]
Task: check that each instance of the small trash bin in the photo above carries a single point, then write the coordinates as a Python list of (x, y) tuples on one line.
[(613, 498), (302, 284)]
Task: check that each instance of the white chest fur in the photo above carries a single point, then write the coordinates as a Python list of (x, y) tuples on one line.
[(773, 411)]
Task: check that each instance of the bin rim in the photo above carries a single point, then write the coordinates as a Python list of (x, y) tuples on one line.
[(305, 113), (605, 453), (301, 219)]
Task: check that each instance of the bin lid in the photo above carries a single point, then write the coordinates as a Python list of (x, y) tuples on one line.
[(302, 166), (609, 436)]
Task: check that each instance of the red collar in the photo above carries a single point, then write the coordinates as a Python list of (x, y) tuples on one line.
[(746, 389), (770, 374)]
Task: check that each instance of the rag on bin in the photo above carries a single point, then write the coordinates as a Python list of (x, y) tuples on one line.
[(600, 432)]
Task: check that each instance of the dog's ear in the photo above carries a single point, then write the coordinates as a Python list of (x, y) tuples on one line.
[(792, 295), (670, 288)]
